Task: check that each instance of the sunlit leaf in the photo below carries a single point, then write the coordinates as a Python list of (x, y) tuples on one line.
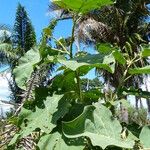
[(145, 137), (25, 68), (146, 52), (56, 142), (97, 123), (89, 62), (41, 118), (104, 48), (81, 6), (143, 70), (119, 57), (14, 139)]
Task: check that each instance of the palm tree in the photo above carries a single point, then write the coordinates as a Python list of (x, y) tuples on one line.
[(8, 56), (6, 52)]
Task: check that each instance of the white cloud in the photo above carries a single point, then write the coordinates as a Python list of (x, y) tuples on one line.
[(5, 108), (4, 92), (4, 87)]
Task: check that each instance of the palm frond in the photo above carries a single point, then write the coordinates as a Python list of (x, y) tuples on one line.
[(59, 12), (5, 27), (89, 30), (6, 53), (54, 7)]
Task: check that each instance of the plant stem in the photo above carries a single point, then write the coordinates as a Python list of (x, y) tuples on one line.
[(64, 48), (72, 37), (79, 85), (124, 78)]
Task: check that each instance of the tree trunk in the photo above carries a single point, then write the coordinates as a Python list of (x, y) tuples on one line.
[(136, 103), (141, 104), (148, 102), (148, 108)]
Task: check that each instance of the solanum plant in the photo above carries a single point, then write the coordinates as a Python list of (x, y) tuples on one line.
[(60, 115)]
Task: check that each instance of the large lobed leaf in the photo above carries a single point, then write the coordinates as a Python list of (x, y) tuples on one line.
[(81, 6), (41, 118), (145, 137), (61, 82), (107, 48), (97, 123), (25, 68), (56, 142), (88, 62)]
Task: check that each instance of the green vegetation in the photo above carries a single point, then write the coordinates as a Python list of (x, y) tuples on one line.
[(68, 111), (5, 44)]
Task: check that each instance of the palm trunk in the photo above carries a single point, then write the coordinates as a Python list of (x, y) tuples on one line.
[(136, 103), (141, 104), (148, 109)]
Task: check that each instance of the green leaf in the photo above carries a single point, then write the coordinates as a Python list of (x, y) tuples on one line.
[(61, 82), (138, 37), (90, 61), (47, 31), (81, 6), (145, 136), (41, 118), (104, 48), (56, 142), (119, 57), (24, 70), (97, 123), (136, 92), (143, 70), (14, 139), (62, 109), (91, 96), (72, 64), (146, 52)]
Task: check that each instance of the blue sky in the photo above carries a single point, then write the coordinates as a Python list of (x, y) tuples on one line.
[(37, 11)]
